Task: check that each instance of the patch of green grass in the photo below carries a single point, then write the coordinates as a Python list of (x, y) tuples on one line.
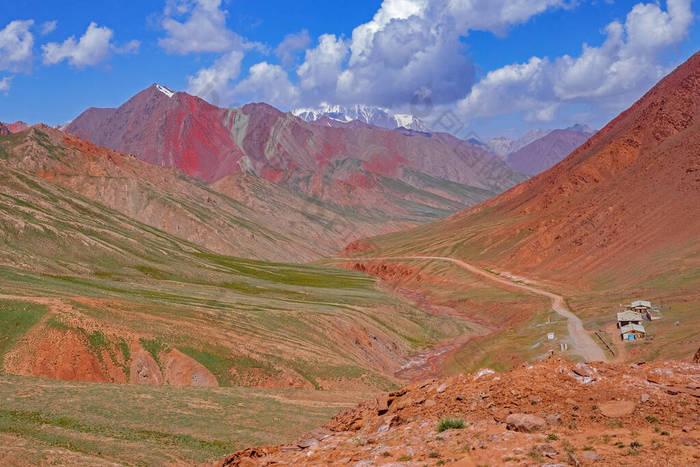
[(221, 365), (154, 347), (16, 318), (55, 322), (96, 339), (552, 437), (124, 347), (404, 458), (450, 424), (153, 425)]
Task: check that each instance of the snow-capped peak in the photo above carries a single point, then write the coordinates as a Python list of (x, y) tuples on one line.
[(377, 116), (165, 90)]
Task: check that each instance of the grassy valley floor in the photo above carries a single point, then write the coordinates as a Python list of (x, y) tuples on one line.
[(57, 422)]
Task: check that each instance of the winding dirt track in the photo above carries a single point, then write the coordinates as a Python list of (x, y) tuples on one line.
[(581, 341)]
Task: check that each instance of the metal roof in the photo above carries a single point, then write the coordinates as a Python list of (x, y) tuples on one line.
[(629, 316), (641, 303), (632, 327)]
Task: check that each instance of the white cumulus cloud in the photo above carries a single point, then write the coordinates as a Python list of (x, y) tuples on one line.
[(287, 50), (408, 46), (611, 75), (203, 30), (92, 48), (48, 27), (16, 43), (268, 83), (213, 83)]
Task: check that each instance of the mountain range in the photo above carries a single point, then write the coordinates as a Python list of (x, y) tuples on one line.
[(531, 154), (390, 177), (371, 115)]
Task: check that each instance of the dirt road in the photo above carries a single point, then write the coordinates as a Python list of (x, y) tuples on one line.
[(581, 341)]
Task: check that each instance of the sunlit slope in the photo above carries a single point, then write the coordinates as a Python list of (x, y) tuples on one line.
[(128, 302)]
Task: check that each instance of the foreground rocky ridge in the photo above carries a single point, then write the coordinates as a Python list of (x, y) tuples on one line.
[(551, 412)]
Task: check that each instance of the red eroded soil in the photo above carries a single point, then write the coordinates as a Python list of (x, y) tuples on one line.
[(62, 354), (181, 370), (386, 271), (554, 412)]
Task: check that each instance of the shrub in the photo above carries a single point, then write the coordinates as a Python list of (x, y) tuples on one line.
[(552, 437), (449, 424)]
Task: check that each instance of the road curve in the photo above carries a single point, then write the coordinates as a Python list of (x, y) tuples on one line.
[(582, 343)]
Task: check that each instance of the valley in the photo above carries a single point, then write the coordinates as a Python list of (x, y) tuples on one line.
[(582, 344), (326, 279)]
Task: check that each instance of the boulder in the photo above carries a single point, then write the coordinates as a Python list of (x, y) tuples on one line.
[(525, 422), (616, 409), (554, 419), (547, 450)]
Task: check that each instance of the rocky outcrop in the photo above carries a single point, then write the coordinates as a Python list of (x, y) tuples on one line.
[(504, 418), (144, 368)]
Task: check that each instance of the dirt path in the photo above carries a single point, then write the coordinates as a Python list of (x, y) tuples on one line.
[(581, 341)]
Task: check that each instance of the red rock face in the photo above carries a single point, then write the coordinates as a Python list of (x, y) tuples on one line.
[(9, 128), (210, 143), (547, 151)]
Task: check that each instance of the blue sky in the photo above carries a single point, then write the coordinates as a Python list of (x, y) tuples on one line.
[(365, 52)]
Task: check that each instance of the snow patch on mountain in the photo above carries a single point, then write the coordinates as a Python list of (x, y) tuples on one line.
[(165, 90), (377, 116)]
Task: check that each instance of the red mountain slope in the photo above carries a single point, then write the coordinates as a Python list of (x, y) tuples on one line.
[(241, 215), (623, 208), (15, 127), (544, 152), (349, 164)]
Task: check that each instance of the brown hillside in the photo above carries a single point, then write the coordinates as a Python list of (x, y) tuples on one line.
[(628, 201)]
